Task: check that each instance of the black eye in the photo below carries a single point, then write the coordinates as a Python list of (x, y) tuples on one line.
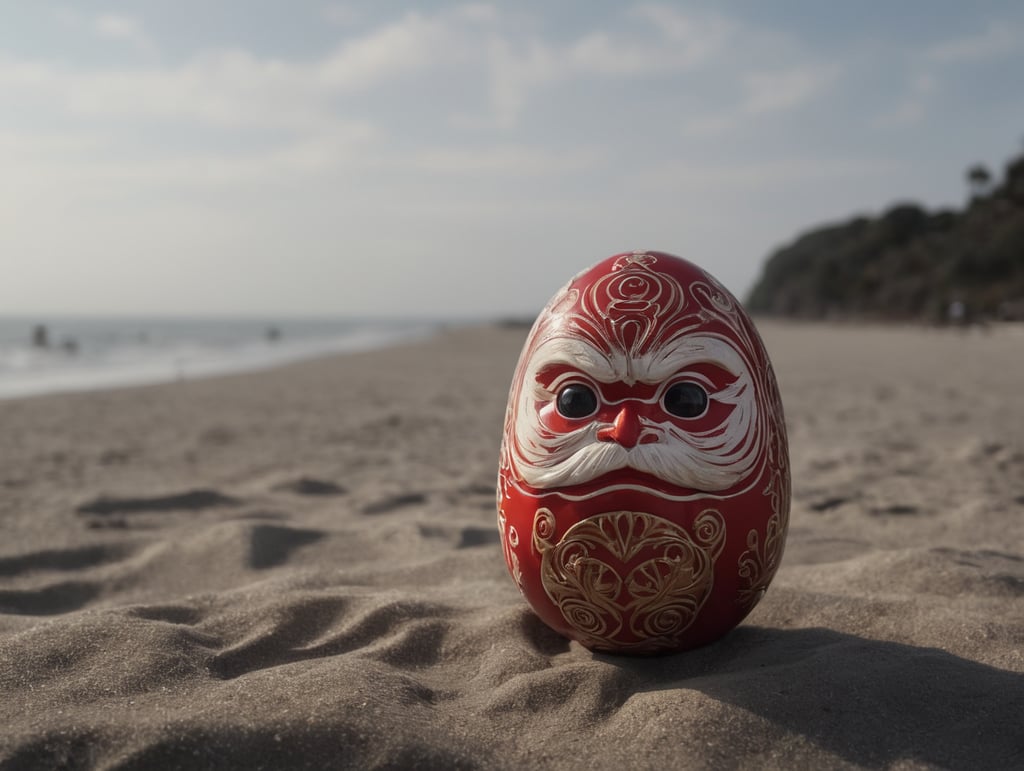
[(576, 401), (686, 400)]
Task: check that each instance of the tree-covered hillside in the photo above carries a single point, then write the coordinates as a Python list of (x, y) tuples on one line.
[(908, 263)]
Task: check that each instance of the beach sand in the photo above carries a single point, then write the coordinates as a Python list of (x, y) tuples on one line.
[(300, 568)]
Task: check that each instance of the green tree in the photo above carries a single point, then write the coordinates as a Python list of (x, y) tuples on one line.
[(979, 178)]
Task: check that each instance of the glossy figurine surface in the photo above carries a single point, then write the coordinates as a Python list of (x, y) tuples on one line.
[(643, 492)]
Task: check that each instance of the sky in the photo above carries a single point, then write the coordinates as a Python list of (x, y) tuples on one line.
[(303, 158)]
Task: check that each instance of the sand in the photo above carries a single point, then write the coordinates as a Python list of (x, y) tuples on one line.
[(300, 569)]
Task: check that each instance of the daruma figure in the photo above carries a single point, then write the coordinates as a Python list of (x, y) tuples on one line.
[(643, 493)]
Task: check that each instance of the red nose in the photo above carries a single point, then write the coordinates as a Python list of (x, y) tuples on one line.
[(625, 430)]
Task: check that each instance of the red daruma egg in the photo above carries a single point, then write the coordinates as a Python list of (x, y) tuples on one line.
[(643, 494)]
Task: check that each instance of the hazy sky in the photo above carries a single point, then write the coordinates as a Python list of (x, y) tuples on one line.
[(290, 157)]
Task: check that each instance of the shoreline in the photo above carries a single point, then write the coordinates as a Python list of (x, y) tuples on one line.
[(70, 375)]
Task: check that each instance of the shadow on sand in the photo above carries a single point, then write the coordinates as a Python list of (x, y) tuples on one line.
[(870, 702)]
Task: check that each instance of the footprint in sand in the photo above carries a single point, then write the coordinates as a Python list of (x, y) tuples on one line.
[(826, 504), (478, 489), (394, 502), (59, 596), (50, 600), (171, 614), (468, 536), (310, 486), (998, 572), (64, 559), (302, 627), (482, 493), (478, 536), (191, 500), (272, 545), (896, 509)]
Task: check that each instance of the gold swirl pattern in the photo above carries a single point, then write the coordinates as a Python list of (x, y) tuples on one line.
[(758, 564), (629, 580), (509, 542)]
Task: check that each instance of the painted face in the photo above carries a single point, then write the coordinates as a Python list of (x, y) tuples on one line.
[(644, 484)]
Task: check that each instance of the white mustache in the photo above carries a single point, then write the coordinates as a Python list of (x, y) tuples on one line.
[(685, 460)]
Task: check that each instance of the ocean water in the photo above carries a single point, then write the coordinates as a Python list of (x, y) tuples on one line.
[(75, 354)]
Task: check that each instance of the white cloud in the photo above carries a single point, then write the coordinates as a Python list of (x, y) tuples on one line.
[(508, 160), (234, 88), (289, 113), (681, 43), (766, 92), (998, 38), (125, 29), (914, 106), (775, 174), (55, 162), (784, 89), (695, 39), (515, 74), (307, 100), (478, 12), (341, 14), (711, 124), (601, 53), (227, 89), (404, 47)]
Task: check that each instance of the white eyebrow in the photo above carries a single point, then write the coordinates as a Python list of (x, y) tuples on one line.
[(653, 367), (573, 352), (662, 363)]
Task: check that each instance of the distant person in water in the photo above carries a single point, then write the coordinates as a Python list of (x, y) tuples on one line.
[(40, 336), (956, 313), (41, 339)]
